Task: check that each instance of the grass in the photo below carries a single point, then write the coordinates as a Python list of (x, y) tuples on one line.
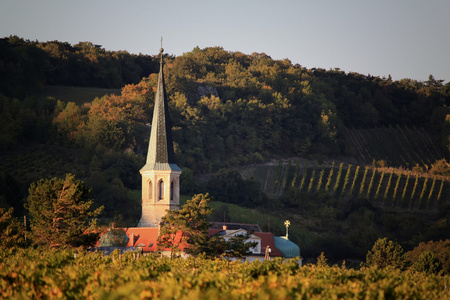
[(79, 95)]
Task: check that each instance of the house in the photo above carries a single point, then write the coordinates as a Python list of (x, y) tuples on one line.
[(275, 246)]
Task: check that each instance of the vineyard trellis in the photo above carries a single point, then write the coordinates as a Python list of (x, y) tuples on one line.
[(388, 187)]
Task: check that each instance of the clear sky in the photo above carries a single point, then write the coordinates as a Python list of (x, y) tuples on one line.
[(403, 38)]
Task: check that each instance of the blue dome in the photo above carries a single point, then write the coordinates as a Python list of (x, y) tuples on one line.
[(288, 248)]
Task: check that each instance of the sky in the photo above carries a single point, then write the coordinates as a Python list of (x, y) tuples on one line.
[(401, 38)]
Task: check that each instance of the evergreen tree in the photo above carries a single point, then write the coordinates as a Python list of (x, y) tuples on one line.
[(61, 213), (186, 227), (237, 246), (386, 253), (12, 231)]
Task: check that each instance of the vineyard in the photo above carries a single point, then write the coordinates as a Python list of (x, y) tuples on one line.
[(397, 147), (77, 274), (386, 187)]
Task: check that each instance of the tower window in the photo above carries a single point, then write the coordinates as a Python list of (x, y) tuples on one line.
[(171, 191), (161, 190), (150, 191)]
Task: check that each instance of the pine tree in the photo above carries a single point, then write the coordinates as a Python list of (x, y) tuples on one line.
[(61, 214), (187, 226), (12, 231), (385, 254)]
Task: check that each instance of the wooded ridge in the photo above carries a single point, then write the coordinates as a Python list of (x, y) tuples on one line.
[(229, 110)]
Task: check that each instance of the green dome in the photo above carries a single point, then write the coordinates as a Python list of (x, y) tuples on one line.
[(288, 248)]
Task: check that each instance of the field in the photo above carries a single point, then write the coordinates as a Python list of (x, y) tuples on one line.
[(79, 274)]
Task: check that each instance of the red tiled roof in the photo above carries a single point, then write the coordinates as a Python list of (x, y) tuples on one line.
[(267, 239), (147, 238)]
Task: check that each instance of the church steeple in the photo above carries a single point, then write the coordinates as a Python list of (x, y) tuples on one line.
[(160, 154), (160, 174)]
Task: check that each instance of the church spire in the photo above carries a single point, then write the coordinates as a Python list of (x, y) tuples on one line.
[(160, 175), (160, 154)]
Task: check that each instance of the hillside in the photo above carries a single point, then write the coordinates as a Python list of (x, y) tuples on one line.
[(235, 111)]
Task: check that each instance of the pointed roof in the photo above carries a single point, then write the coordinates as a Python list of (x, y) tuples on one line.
[(160, 154)]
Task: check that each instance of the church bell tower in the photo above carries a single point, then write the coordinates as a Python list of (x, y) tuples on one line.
[(160, 174)]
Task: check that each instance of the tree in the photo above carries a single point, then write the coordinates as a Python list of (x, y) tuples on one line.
[(186, 227), (229, 186), (61, 214), (238, 247), (441, 249), (12, 231), (428, 262), (386, 253)]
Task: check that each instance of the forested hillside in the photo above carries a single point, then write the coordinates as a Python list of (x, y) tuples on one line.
[(229, 109)]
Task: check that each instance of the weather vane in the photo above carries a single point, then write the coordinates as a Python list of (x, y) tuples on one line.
[(287, 224)]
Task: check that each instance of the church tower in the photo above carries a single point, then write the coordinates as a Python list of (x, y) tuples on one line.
[(160, 175)]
